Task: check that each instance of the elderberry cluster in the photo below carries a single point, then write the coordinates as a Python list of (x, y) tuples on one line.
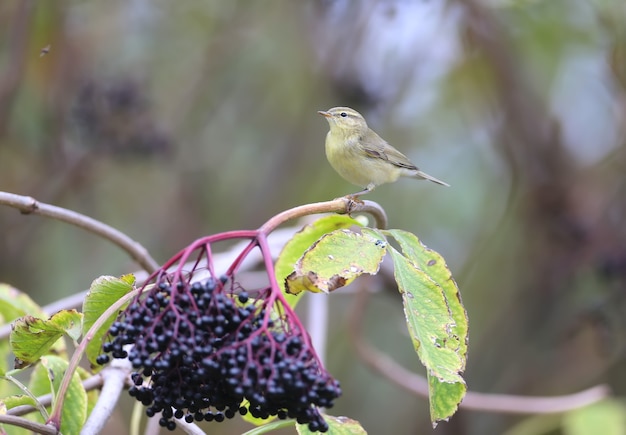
[(198, 352)]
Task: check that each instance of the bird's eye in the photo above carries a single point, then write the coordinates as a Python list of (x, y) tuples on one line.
[(343, 114)]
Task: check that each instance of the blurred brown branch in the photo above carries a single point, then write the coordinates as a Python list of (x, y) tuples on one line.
[(500, 403), (28, 205)]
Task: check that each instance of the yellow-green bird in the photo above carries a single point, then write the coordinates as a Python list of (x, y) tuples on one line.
[(362, 157)]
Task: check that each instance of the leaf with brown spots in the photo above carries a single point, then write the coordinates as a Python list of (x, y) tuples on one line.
[(435, 316), (335, 260)]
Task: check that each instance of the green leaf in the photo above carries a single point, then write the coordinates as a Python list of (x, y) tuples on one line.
[(104, 291), (32, 337), (607, 417), (428, 319), (16, 400), (336, 426), (254, 420), (38, 384), (537, 424), (14, 304), (433, 264), (436, 319), (5, 350), (92, 395), (335, 260), (444, 398), (74, 412), (301, 241), (269, 427)]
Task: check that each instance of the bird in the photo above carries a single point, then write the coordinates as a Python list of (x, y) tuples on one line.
[(361, 156)]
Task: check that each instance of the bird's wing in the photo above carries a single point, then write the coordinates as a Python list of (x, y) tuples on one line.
[(376, 147)]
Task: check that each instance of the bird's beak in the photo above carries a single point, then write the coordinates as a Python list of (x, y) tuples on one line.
[(324, 114)]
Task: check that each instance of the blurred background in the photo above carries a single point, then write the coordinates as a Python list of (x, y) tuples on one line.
[(173, 120)]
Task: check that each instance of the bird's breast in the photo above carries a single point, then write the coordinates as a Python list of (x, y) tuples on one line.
[(347, 157)]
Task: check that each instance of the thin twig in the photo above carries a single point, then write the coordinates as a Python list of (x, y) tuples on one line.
[(29, 205), (55, 415), (42, 409), (46, 400), (501, 403)]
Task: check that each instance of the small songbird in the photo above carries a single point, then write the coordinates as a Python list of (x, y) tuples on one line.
[(362, 157)]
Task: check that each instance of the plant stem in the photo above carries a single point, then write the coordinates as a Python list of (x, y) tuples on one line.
[(24, 388), (340, 205), (28, 424), (55, 416)]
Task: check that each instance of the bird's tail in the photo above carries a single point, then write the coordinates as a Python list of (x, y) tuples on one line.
[(424, 175)]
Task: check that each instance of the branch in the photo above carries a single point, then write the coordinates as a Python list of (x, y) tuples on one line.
[(27, 424), (189, 428), (277, 240), (114, 377), (502, 403), (28, 205), (342, 205)]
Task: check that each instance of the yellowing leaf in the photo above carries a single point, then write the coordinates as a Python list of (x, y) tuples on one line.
[(32, 337), (436, 319), (296, 247), (14, 304), (335, 260), (433, 264)]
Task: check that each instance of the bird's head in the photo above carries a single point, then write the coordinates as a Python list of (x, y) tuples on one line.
[(344, 120)]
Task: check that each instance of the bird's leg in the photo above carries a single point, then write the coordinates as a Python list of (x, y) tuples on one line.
[(368, 189)]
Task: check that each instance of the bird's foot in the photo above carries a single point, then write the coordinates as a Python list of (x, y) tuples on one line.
[(353, 201)]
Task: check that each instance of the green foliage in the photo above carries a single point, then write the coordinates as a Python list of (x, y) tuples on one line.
[(269, 427), (435, 316), (104, 291), (92, 395), (74, 412), (32, 337), (16, 400), (334, 261), (607, 418), (14, 304), (295, 248), (5, 349), (436, 319), (336, 426)]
